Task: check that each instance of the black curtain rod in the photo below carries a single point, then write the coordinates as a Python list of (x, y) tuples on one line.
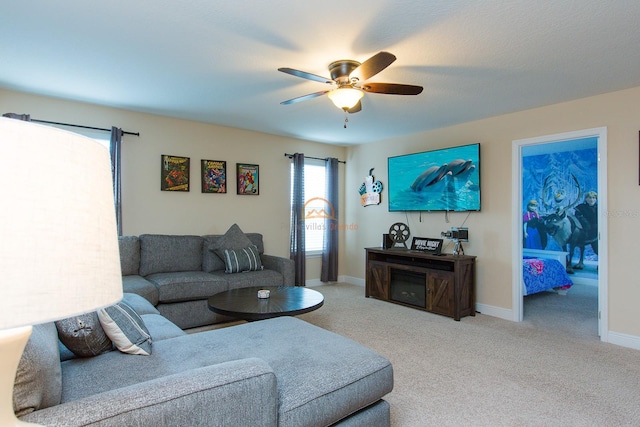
[(83, 127), (315, 158)]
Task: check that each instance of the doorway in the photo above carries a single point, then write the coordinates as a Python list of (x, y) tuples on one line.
[(555, 174)]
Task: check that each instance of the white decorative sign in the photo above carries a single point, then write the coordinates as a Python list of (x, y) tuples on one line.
[(370, 191)]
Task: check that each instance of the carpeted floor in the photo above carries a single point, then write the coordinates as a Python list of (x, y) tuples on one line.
[(575, 313), (486, 371)]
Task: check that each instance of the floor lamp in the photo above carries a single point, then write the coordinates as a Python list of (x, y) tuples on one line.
[(58, 238)]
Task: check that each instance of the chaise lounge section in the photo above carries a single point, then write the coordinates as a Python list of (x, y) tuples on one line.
[(277, 372)]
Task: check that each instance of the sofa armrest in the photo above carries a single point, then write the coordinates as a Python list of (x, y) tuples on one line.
[(284, 266), (240, 392)]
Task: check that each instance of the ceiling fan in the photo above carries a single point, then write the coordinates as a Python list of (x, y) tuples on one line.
[(348, 77)]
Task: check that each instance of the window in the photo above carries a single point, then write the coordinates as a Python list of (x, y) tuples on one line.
[(315, 204)]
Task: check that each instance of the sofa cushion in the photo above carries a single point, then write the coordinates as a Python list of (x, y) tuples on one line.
[(84, 335), (191, 314), (333, 377), (129, 254), (161, 328), (140, 304), (38, 382), (239, 260), (141, 286), (126, 329), (186, 285), (166, 253), (251, 278)]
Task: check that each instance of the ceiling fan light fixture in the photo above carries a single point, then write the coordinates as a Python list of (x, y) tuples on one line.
[(345, 98)]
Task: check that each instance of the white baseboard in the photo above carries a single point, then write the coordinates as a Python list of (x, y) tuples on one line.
[(343, 279), (352, 280), (624, 340), (616, 338), (499, 312), (313, 282)]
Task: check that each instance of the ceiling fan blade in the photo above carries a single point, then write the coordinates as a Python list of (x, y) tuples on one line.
[(306, 75), (304, 97), (373, 66), (355, 108), (392, 88)]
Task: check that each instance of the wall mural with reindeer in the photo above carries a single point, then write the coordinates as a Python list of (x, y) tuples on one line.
[(559, 184)]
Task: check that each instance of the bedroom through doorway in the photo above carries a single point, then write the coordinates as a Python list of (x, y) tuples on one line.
[(559, 198)]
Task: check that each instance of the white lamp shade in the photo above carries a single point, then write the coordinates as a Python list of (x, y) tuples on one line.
[(345, 97), (59, 252)]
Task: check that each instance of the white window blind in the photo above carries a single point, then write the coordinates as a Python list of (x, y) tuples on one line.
[(315, 204)]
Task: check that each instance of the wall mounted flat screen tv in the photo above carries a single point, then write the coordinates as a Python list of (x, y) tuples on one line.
[(438, 180)]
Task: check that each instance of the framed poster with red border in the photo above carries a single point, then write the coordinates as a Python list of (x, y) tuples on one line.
[(248, 179), (174, 173), (214, 176)]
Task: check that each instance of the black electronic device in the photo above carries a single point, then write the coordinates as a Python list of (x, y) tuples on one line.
[(458, 235), (447, 179), (387, 241)]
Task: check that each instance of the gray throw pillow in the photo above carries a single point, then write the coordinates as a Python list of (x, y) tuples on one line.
[(234, 238), (83, 335), (126, 329), (239, 260), (38, 382)]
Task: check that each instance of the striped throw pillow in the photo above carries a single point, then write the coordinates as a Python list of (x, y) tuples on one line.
[(126, 329), (239, 260)]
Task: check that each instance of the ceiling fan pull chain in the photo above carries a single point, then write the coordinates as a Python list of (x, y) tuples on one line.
[(346, 119)]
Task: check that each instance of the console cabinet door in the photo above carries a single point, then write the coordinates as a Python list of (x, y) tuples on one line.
[(440, 292), (377, 284)]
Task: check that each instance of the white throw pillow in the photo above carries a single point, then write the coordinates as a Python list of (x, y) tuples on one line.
[(126, 329)]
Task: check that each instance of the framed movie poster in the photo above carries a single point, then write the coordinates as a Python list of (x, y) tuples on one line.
[(174, 174), (214, 176), (248, 179)]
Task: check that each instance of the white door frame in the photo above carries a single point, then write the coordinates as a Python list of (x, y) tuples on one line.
[(516, 197)]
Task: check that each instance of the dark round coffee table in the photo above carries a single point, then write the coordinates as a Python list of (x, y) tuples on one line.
[(244, 303)]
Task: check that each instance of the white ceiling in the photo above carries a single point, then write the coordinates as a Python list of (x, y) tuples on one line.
[(216, 61)]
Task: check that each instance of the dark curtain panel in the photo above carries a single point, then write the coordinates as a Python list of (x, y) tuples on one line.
[(114, 149), (296, 247), (25, 117), (329, 272)]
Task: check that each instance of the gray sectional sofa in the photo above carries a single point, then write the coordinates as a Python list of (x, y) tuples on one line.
[(276, 372), (178, 273)]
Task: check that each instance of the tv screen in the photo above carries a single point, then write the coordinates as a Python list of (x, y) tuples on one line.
[(439, 180)]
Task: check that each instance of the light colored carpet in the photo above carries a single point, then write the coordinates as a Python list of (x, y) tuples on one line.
[(485, 371), (575, 313)]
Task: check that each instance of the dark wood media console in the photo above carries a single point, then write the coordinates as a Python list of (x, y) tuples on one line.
[(442, 284)]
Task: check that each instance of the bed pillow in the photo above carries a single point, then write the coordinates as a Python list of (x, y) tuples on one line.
[(83, 335), (239, 260), (126, 329)]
